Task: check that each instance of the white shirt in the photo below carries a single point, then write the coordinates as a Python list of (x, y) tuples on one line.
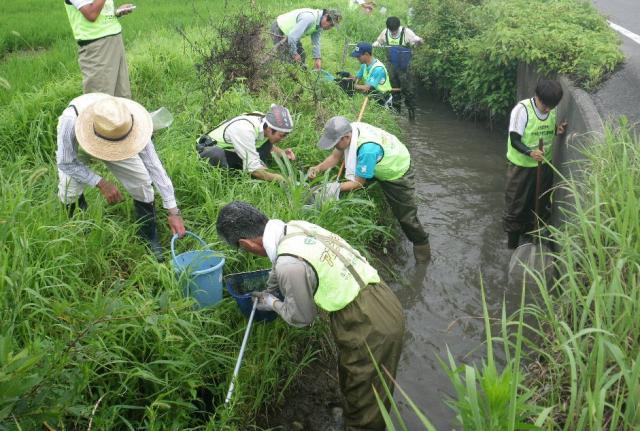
[(409, 37), (68, 162), (242, 135), (519, 117), (80, 3)]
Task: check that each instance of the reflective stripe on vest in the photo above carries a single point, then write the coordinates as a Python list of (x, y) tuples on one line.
[(385, 87), (534, 130), (254, 120), (395, 41), (84, 30), (396, 159), (288, 21), (341, 270)]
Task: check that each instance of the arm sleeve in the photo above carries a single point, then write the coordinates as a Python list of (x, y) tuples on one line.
[(158, 175), (297, 283), (368, 156), (381, 39), (67, 153), (376, 78), (516, 142), (518, 119), (315, 44), (243, 138), (80, 3), (411, 38), (306, 19)]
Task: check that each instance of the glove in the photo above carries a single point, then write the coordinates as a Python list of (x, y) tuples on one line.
[(265, 300)]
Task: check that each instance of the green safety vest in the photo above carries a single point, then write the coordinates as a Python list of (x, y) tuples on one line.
[(254, 120), (341, 270), (84, 30), (535, 129), (395, 161), (385, 87), (395, 41), (288, 21)]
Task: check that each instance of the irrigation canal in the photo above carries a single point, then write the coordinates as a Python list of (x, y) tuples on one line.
[(460, 168)]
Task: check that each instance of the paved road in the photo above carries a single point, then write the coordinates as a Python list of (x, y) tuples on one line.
[(620, 95)]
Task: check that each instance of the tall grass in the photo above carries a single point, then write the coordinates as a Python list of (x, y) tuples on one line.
[(573, 348), (93, 332)]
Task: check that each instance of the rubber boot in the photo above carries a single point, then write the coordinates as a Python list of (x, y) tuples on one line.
[(513, 239), (422, 253), (147, 227), (80, 203)]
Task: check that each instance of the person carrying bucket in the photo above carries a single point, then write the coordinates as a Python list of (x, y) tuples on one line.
[(315, 269), (372, 77), (531, 120), (371, 153), (289, 28), (247, 141), (399, 40), (118, 132)]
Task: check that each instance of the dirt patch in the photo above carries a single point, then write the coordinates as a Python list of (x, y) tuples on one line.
[(312, 403)]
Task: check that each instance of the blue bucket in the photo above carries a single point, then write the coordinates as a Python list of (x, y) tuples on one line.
[(241, 285), (199, 272)]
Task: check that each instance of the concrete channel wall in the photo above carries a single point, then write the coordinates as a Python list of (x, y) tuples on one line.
[(585, 127)]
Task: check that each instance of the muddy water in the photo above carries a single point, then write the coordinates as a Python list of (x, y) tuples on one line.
[(460, 170)]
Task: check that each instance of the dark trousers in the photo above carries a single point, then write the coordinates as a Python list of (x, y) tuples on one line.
[(374, 319), (400, 194), (520, 199), (283, 49), (402, 79), (229, 159)]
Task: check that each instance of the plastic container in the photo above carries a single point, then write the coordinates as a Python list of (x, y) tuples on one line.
[(199, 272), (241, 285)]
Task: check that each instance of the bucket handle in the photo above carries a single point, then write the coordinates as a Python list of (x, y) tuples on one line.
[(175, 237)]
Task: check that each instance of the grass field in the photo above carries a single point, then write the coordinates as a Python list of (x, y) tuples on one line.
[(94, 333)]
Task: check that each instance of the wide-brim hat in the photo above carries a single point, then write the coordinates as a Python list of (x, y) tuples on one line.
[(113, 128)]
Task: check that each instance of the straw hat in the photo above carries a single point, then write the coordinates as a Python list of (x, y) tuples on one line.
[(113, 128)]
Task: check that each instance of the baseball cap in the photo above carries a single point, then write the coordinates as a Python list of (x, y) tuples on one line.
[(335, 129), (362, 48), (279, 118)]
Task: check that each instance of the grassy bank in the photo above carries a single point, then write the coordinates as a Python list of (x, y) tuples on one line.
[(472, 47), (94, 333), (572, 350)]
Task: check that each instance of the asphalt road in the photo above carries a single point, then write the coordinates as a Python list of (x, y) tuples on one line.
[(620, 94)]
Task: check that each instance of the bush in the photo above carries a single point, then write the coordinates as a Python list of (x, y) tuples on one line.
[(472, 48)]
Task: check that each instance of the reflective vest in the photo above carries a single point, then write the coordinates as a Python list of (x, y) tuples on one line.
[(535, 129), (395, 161), (341, 270), (385, 86), (395, 41), (288, 21), (84, 30), (251, 119)]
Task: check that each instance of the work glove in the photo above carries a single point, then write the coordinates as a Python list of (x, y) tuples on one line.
[(265, 300)]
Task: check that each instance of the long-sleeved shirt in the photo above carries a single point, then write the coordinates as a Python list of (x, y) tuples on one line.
[(242, 135), (68, 162), (409, 37), (295, 279), (306, 20)]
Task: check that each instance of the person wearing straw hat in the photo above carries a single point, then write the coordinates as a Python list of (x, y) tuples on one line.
[(247, 141), (118, 132), (289, 28), (101, 53), (371, 153), (316, 270)]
